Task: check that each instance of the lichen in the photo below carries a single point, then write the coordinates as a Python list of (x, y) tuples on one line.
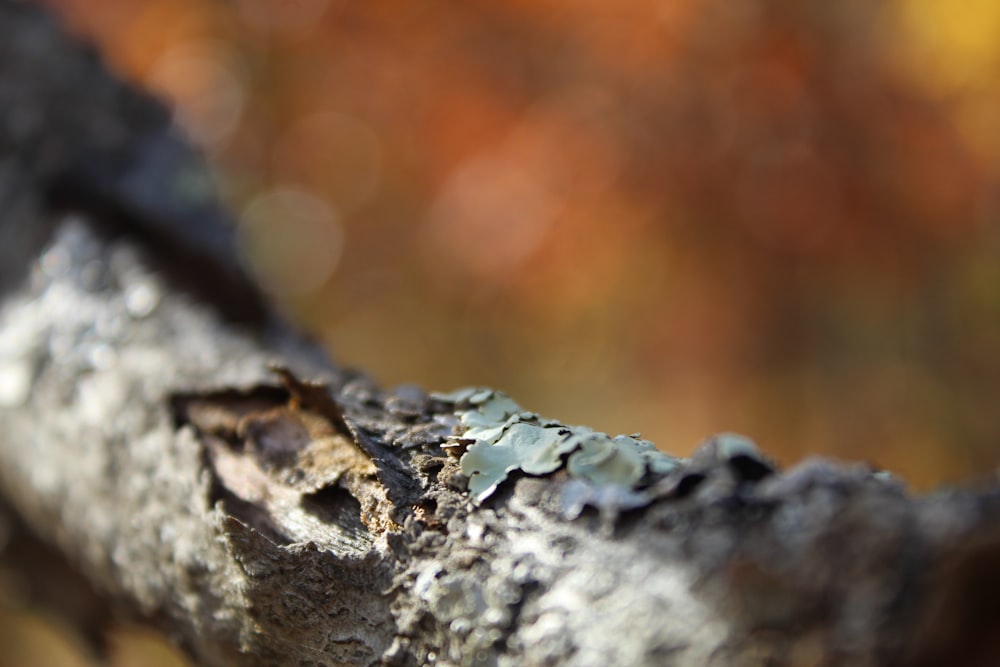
[(731, 445), (476, 608), (500, 437), (605, 461)]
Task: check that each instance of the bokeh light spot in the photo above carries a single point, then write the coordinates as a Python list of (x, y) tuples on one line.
[(292, 239), (206, 89), (491, 215)]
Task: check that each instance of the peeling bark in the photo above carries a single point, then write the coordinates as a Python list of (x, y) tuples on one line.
[(264, 506)]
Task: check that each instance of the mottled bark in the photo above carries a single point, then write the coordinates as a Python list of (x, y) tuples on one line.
[(231, 485), (263, 519)]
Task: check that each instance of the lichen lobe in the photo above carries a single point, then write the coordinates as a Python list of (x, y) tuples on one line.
[(500, 438)]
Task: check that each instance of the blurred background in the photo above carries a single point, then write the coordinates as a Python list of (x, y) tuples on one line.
[(778, 217)]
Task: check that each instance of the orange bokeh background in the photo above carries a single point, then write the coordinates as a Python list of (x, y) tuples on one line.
[(776, 217)]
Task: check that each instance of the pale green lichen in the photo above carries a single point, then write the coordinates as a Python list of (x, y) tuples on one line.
[(604, 461), (500, 438)]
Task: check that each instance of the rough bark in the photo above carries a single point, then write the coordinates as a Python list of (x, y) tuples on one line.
[(230, 484), (263, 520)]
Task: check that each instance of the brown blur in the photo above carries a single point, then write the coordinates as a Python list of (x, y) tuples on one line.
[(776, 217)]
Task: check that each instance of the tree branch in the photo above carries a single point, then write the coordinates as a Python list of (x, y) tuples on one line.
[(267, 507)]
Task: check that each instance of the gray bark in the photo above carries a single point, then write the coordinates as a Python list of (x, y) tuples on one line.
[(263, 520), (263, 506)]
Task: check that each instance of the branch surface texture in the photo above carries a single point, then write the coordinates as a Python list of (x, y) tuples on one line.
[(217, 474)]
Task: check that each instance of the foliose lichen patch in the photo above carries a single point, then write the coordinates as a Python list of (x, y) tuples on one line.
[(501, 437)]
